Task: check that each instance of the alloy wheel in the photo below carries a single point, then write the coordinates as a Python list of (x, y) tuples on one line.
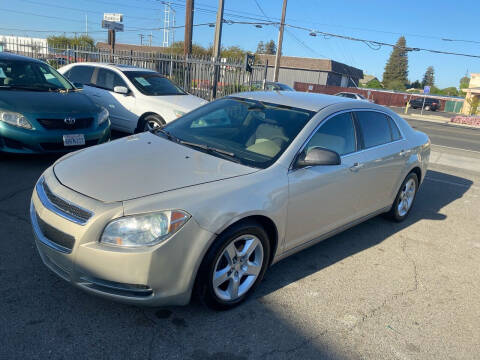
[(237, 269), (406, 197)]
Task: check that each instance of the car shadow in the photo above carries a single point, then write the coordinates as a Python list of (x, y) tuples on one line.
[(428, 205)]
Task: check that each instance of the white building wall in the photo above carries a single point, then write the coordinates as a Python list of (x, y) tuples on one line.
[(23, 45)]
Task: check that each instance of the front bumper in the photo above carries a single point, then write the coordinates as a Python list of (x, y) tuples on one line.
[(160, 275), (22, 141)]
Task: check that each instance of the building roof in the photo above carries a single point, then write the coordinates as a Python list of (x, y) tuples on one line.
[(295, 62), (132, 47), (367, 78)]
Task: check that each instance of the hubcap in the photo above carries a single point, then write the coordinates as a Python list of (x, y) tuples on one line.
[(406, 198), (238, 267), (151, 125)]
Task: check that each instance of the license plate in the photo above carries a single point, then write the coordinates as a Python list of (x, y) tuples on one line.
[(74, 140)]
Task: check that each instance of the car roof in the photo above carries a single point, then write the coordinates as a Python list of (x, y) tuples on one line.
[(120, 67), (303, 100), (10, 56)]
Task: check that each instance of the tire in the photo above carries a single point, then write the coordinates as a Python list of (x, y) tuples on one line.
[(427, 108), (399, 213), (150, 122), (220, 295)]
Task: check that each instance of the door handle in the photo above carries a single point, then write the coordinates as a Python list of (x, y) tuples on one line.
[(356, 166), (403, 153)]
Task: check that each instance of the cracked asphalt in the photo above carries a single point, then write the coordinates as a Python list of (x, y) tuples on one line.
[(380, 290)]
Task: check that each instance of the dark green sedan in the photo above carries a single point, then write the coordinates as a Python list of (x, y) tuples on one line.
[(41, 111)]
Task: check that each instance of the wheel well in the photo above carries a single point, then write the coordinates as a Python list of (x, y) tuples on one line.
[(417, 172), (140, 119), (269, 227)]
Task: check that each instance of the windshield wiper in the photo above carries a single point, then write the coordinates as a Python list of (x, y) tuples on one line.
[(169, 135), (209, 149)]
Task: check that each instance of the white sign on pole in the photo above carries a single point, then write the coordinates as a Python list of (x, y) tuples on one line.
[(113, 17), (112, 25)]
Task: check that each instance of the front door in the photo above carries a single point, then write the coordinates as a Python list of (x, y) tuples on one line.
[(323, 198), (120, 106)]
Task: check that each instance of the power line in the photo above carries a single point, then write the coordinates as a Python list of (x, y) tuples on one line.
[(376, 45)]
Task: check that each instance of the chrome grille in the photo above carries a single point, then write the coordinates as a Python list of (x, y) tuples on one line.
[(61, 206), (58, 237)]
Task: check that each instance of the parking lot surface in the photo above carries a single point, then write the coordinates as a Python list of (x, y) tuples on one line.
[(380, 290)]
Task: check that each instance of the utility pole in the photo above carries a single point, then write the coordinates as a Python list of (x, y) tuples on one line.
[(217, 46), (141, 38), (86, 24), (187, 45), (280, 41), (150, 38)]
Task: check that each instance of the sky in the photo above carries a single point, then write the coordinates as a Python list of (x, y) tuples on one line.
[(424, 23)]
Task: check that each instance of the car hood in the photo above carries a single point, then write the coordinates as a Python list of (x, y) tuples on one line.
[(141, 165), (45, 102), (184, 103)]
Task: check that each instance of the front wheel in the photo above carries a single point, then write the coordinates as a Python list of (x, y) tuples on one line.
[(234, 266), (150, 123), (404, 201)]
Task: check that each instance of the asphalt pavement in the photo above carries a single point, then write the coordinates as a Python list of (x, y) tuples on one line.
[(380, 290)]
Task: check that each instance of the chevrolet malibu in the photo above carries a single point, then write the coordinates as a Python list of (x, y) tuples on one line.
[(206, 204), (41, 111)]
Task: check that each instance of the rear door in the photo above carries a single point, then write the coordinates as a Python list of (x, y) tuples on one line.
[(385, 156)]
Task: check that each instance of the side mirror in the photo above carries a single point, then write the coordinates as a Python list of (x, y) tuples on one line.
[(121, 90), (318, 156)]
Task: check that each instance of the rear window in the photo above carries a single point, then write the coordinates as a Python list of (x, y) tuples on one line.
[(375, 128)]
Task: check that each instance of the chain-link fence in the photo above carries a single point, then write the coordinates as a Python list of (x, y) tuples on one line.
[(194, 74)]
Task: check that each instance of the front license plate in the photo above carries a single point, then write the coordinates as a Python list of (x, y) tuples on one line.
[(74, 140)]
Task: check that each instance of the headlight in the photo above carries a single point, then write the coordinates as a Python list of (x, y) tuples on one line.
[(144, 230), (15, 119), (178, 113), (103, 116)]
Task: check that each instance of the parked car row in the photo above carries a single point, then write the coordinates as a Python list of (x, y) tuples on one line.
[(44, 110)]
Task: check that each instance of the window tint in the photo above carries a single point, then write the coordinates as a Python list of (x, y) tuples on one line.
[(80, 74), (337, 134), (395, 132), (375, 128), (351, 96), (107, 79)]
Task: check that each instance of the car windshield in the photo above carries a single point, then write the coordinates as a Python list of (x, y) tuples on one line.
[(31, 75), (247, 131), (153, 84), (361, 96)]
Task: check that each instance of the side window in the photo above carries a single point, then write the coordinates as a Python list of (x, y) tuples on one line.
[(374, 127), (395, 132), (80, 74), (108, 79), (337, 134)]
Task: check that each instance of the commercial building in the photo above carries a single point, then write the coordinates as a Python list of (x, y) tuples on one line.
[(472, 95), (313, 71)]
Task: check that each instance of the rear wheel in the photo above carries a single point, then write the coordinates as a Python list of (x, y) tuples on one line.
[(427, 108), (234, 266), (150, 123), (404, 201)]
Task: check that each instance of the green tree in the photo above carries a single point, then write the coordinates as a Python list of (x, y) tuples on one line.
[(464, 82), (260, 48), (396, 69), (429, 77), (270, 48), (233, 52), (416, 84), (396, 85), (374, 84), (71, 42)]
